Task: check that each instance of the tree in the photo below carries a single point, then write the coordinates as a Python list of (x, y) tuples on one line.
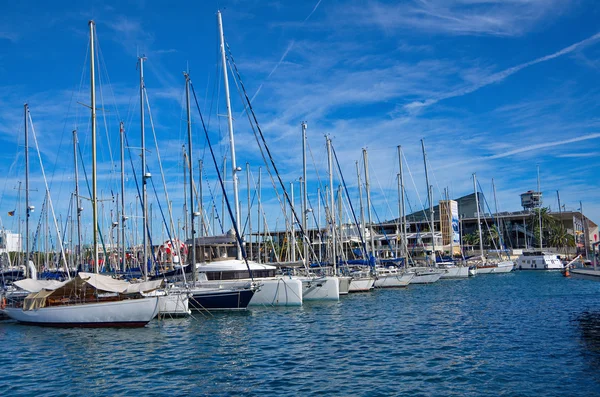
[(548, 222)]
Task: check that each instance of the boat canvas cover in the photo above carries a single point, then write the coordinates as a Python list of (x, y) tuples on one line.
[(146, 286), (36, 300), (109, 284), (32, 285)]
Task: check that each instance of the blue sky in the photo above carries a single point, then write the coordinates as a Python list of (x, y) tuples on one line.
[(493, 87)]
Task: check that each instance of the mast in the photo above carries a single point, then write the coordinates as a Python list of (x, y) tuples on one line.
[(360, 198), (540, 205), (259, 206), (94, 184), (430, 200), (584, 224), (500, 232), (340, 218), (249, 212), (189, 130), (478, 217), (123, 217), (77, 200), (200, 204), (331, 206), (404, 240), (305, 238), (292, 231), (145, 175), (27, 209), (368, 189), (230, 126), (185, 206)]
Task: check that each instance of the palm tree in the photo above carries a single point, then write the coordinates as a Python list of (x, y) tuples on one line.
[(548, 222), (559, 237), (491, 236)]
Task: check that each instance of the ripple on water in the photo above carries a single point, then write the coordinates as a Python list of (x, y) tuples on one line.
[(521, 334)]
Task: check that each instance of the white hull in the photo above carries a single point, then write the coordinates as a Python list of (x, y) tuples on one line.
[(539, 261), (344, 284), (425, 276), (361, 284), (394, 280), (455, 272), (585, 274), (277, 291), (320, 288), (502, 267), (125, 313)]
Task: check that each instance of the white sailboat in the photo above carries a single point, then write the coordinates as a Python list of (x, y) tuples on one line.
[(88, 300), (487, 266), (392, 277)]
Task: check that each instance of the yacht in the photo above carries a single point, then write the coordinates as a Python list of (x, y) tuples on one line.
[(538, 260), (390, 277)]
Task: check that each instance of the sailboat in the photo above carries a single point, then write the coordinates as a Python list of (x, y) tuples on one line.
[(88, 300), (221, 297), (488, 267)]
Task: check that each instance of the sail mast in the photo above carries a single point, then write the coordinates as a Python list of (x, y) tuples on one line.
[(478, 216), (27, 209), (540, 205), (368, 189), (145, 175), (305, 239), (94, 184), (331, 207), (230, 127), (77, 200), (189, 131), (402, 206), (123, 217), (430, 200)]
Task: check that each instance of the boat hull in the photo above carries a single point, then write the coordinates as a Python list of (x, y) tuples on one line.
[(585, 274), (277, 291), (320, 288), (361, 284), (394, 280), (344, 286), (502, 267), (425, 276), (125, 313), (220, 299), (174, 305), (455, 272)]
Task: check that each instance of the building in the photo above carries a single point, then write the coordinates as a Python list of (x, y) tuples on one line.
[(516, 229)]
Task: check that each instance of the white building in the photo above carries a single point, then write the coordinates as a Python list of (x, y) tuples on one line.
[(10, 242)]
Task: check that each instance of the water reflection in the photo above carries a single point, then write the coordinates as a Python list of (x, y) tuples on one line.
[(589, 327)]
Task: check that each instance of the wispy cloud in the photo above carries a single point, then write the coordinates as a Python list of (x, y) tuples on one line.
[(458, 17), (10, 36), (499, 76)]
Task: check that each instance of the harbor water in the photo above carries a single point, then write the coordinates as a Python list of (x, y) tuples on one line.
[(517, 334)]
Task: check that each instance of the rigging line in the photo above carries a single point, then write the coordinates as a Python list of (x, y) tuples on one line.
[(288, 222), (269, 171), (87, 183), (350, 203), (493, 219), (47, 189), (235, 226), (416, 190), (264, 142), (172, 224), (100, 85)]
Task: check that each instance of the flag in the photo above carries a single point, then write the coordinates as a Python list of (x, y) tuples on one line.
[(11, 213)]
